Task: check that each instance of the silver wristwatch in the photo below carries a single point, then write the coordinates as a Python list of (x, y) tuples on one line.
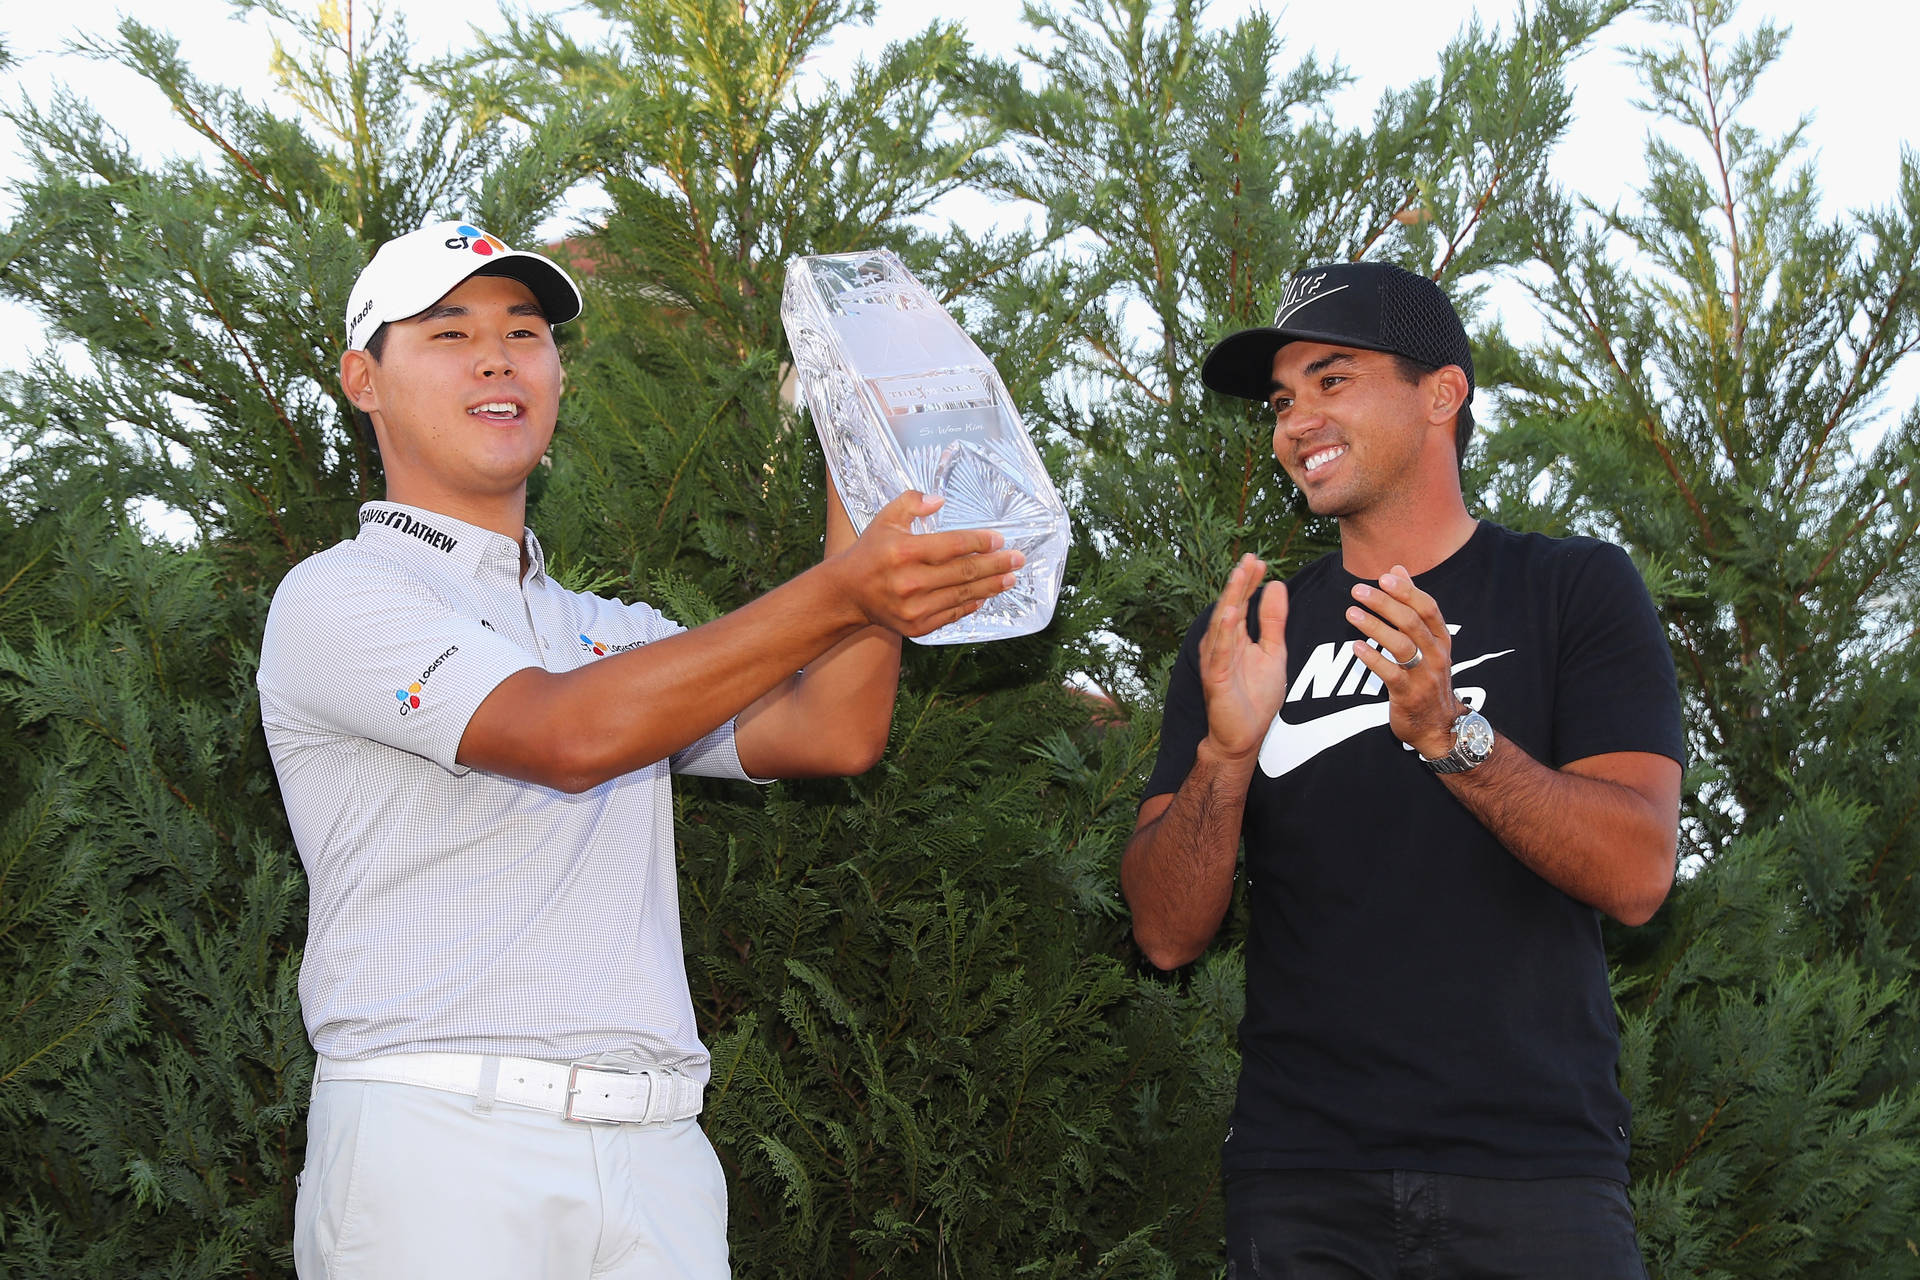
[(1472, 744)]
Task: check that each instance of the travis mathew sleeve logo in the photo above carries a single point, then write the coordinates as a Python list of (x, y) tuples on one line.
[(404, 523), (409, 697), (1333, 671)]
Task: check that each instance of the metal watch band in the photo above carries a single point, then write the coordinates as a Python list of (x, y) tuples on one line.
[(1469, 730), (1452, 762)]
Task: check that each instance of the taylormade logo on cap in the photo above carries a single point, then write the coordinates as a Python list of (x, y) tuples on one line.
[(410, 273)]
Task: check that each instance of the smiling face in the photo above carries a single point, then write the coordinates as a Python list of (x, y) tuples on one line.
[(1354, 434), (464, 399)]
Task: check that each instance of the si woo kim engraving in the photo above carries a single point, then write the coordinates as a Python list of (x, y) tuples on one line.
[(902, 399)]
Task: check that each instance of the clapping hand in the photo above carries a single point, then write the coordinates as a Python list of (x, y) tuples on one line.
[(1244, 682)]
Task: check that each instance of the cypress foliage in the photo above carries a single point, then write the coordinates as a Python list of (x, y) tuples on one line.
[(1715, 381), (935, 1053)]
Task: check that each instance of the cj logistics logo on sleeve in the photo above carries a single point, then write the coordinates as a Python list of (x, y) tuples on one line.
[(409, 697)]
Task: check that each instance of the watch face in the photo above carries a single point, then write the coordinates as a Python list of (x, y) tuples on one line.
[(1474, 737)]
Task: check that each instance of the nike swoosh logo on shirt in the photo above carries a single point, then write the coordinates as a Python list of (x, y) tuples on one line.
[(1288, 746)]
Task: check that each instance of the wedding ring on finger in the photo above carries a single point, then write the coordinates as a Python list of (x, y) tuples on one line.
[(1417, 658)]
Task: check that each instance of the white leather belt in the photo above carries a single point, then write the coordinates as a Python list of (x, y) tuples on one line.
[(581, 1091)]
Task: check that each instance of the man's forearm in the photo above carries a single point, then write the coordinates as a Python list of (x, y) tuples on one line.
[(1600, 829), (1590, 829), (830, 719), (833, 717), (574, 730), (1177, 872)]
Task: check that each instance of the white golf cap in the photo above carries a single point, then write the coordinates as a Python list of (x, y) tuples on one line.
[(410, 273)]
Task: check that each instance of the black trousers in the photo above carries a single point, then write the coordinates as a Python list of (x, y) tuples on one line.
[(1333, 1224)]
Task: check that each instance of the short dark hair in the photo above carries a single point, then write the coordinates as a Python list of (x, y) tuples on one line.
[(376, 347), (1412, 371)]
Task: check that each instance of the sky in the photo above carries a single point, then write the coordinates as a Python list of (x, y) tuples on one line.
[(1850, 70)]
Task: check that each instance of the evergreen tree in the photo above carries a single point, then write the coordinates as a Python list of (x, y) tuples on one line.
[(934, 1050), (1714, 395), (152, 1061)]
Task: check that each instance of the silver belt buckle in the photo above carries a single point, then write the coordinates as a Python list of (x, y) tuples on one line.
[(573, 1092)]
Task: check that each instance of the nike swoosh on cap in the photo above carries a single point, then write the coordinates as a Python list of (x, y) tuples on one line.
[(1288, 746), (1286, 311)]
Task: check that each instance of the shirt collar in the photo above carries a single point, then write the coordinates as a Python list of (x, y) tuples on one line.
[(431, 535), (536, 558)]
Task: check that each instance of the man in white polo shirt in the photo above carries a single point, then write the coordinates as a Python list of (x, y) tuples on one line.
[(475, 766)]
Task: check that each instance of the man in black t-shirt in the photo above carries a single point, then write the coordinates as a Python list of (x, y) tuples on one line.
[(1448, 748)]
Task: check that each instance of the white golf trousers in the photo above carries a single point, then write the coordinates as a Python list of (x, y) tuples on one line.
[(409, 1183)]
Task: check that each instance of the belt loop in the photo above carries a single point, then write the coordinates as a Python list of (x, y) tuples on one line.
[(489, 1081), (659, 1096)]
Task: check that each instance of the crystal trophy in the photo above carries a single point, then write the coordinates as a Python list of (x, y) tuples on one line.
[(903, 399)]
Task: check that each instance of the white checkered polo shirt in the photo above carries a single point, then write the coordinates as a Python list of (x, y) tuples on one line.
[(456, 910)]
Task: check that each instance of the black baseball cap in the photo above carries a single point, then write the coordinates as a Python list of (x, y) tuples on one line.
[(1375, 306)]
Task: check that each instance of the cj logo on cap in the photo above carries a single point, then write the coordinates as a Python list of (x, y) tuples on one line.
[(477, 240)]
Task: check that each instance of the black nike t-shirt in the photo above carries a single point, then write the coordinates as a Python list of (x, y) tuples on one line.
[(1416, 997)]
